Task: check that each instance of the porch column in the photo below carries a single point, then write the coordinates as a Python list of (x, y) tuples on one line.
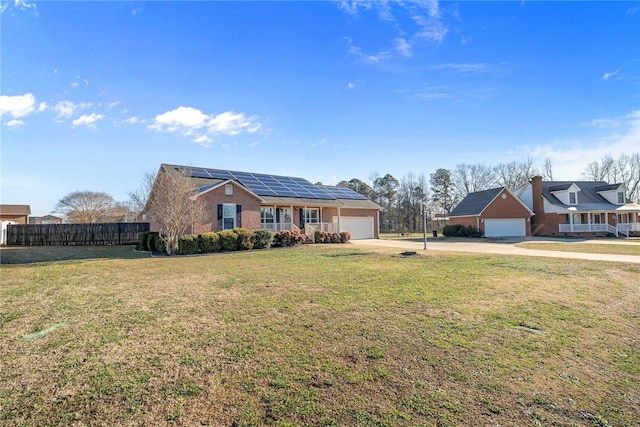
[(571, 221), (339, 219), (276, 223), (589, 220)]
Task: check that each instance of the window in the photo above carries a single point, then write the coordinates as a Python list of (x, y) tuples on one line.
[(597, 219), (267, 215), (228, 190), (312, 215), (285, 216), (572, 198), (621, 198), (144, 216), (228, 216)]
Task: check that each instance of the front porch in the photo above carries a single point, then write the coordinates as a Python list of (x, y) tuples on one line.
[(624, 223)]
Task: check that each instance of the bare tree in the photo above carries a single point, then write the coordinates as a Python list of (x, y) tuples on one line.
[(514, 175), (471, 178), (85, 206), (170, 203), (547, 175), (623, 170)]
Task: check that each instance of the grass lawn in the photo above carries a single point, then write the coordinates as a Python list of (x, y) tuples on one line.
[(317, 335), (592, 248)]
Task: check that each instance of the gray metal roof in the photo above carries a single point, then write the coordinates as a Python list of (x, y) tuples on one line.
[(475, 203)]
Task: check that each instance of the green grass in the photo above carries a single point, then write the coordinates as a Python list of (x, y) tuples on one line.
[(592, 248), (317, 335)]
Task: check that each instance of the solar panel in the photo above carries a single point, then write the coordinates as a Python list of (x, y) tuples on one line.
[(267, 185)]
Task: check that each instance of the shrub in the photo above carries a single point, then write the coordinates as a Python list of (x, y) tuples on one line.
[(262, 239), (188, 245), (335, 237), (345, 236), (228, 240), (321, 236), (155, 243), (143, 239), (459, 230), (244, 240), (288, 238), (209, 242)]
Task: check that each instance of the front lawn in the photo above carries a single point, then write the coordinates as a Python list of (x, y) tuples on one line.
[(591, 248), (318, 335)]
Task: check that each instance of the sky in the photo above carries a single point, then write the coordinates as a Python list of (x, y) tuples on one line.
[(94, 94)]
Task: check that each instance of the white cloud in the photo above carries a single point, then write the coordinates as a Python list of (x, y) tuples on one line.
[(42, 106), (204, 140), (403, 47), (463, 68), (20, 4), (88, 120), (14, 123), (357, 51), (569, 157), (17, 106), (254, 144), (607, 76), (351, 85), (190, 121), (133, 120), (64, 109)]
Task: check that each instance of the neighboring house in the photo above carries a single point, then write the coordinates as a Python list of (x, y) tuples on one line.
[(46, 219), (580, 208), (496, 212), (259, 201), (18, 214)]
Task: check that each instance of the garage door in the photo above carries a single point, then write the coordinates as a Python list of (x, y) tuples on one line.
[(359, 227), (505, 227)]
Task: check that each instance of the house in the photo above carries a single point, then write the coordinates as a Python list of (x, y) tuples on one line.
[(18, 214), (46, 219), (580, 208), (496, 212), (273, 202)]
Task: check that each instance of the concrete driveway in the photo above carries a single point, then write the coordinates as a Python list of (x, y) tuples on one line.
[(506, 247)]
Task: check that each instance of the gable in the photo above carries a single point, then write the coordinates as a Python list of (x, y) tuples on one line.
[(474, 203), (506, 205)]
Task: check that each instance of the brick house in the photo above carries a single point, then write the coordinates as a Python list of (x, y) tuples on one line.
[(15, 213)]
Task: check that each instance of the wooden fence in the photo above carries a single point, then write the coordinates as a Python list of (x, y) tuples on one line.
[(116, 233)]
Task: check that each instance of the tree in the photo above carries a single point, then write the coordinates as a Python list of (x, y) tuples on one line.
[(358, 186), (514, 175), (170, 203), (386, 188), (471, 178), (547, 175), (442, 190), (623, 170), (85, 206)]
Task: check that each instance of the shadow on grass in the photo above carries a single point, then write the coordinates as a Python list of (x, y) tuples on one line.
[(16, 255)]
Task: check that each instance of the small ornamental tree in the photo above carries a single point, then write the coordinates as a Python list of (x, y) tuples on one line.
[(170, 203)]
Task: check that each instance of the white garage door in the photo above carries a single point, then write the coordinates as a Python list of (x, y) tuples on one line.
[(505, 227), (359, 227)]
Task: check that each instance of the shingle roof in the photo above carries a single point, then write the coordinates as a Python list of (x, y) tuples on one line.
[(588, 197), (475, 203), (15, 209)]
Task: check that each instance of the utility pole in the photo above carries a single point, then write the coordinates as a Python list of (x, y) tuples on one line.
[(424, 224)]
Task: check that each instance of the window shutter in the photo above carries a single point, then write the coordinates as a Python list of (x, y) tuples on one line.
[(238, 215), (277, 215), (301, 218), (219, 212)]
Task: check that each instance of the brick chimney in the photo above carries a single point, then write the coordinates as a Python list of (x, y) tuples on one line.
[(539, 218)]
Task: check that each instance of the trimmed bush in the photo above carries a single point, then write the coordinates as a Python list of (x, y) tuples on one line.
[(286, 238), (228, 240), (209, 242), (244, 239), (262, 239), (321, 236), (459, 230), (143, 241), (335, 237), (345, 236), (188, 245), (155, 243)]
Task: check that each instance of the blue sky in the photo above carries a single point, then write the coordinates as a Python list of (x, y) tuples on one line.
[(94, 94)]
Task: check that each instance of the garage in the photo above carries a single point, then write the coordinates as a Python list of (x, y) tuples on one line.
[(505, 227), (358, 227)]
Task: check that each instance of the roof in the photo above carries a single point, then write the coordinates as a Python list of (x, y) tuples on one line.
[(277, 188), (588, 197), (474, 203), (15, 209)]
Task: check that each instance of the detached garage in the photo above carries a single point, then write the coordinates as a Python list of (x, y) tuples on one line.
[(496, 212)]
